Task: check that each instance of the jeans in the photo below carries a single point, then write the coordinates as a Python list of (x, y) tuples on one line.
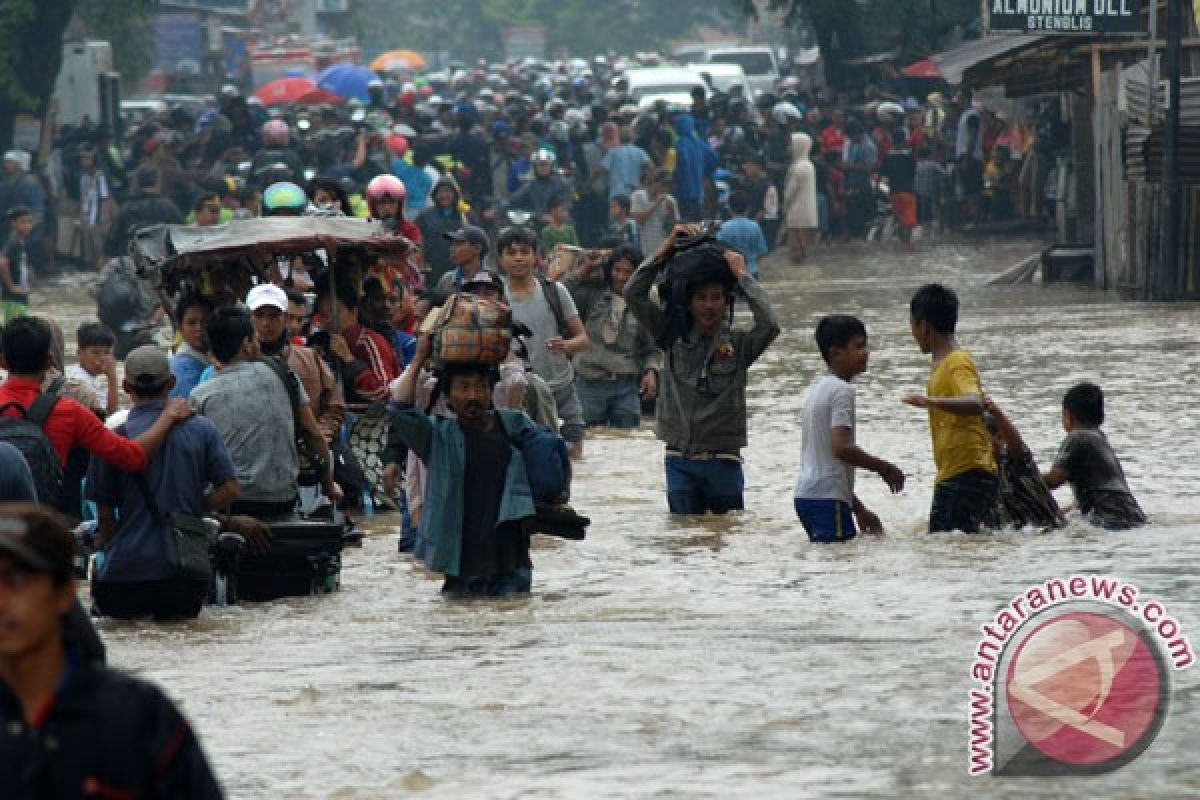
[(519, 581), (616, 403), (826, 520), (570, 412), (960, 503), (163, 600), (696, 486)]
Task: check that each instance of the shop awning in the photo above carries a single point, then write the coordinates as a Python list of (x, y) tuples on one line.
[(954, 64)]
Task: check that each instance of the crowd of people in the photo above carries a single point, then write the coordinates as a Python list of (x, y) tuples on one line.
[(548, 194)]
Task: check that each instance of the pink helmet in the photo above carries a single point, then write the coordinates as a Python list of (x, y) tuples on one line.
[(382, 186), (275, 132)]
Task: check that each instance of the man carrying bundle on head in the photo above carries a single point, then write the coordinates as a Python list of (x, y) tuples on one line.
[(479, 495), (702, 398)]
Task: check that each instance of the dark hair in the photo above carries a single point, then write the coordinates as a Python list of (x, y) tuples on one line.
[(837, 330), (147, 177), (559, 201), (899, 137), (54, 542), (346, 293), (516, 235), (94, 334), (1085, 401), (16, 212), (623, 201), (739, 202), (622, 252), (205, 199), (937, 305), (27, 345), (191, 300), (451, 371), (227, 328), (754, 158), (296, 297)]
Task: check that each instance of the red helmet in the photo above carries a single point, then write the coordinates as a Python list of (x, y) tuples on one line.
[(397, 144), (275, 133)]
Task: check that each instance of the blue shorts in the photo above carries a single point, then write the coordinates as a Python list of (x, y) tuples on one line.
[(826, 520)]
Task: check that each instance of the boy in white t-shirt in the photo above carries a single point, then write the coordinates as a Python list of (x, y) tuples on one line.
[(824, 496), (97, 367)]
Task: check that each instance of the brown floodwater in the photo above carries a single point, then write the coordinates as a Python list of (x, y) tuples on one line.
[(723, 658)]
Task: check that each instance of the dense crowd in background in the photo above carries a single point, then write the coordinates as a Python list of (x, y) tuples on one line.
[(471, 144)]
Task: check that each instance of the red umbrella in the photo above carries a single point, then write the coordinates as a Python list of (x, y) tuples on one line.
[(318, 97), (284, 90), (925, 68)]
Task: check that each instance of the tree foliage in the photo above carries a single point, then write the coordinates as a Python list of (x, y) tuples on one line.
[(124, 24)]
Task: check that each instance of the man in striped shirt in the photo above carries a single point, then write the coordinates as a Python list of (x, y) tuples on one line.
[(367, 362)]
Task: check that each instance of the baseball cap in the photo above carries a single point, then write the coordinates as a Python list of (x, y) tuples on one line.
[(484, 277), (37, 539), (147, 367), (472, 235), (267, 294)]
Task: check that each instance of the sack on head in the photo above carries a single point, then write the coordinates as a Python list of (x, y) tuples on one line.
[(472, 330)]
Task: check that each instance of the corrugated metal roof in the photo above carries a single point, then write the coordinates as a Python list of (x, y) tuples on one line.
[(954, 63)]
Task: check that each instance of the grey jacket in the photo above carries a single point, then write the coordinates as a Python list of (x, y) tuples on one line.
[(631, 354), (702, 390)]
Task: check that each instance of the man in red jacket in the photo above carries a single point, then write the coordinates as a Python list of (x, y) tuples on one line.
[(368, 363), (71, 425)]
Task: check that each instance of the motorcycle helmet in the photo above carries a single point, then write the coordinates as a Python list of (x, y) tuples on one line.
[(284, 199), (275, 133), (382, 186), (544, 156)]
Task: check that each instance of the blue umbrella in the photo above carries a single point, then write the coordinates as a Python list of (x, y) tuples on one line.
[(347, 80)]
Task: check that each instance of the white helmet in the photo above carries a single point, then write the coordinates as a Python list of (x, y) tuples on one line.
[(544, 156)]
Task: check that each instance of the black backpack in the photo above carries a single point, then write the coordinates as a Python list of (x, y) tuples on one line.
[(118, 298), (694, 262), (27, 434)]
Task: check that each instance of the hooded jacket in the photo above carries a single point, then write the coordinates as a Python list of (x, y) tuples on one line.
[(800, 193), (694, 160), (433, 222)]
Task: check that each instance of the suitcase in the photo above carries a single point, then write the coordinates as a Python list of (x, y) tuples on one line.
[(305, 559)]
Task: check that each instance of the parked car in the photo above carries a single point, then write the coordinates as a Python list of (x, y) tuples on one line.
[(673, 85)]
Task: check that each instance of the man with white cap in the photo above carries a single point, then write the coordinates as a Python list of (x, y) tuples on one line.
[(72, 727), (21, 189)]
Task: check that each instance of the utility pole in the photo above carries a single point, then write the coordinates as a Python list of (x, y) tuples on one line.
[(1168, 283)]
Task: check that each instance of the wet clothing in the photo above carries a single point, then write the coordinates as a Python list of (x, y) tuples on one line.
[(534, 311), (702, 485), (441, 443), (1098, 481), (619, 345), (823, 476), (252, 410), (193, 458), (826, 520), (961, 503), (104, 735), (960, 443), (800, 192), (163, 601), (695, 161), (1023, 498), (702, 392), (487, 549), (433, 222)]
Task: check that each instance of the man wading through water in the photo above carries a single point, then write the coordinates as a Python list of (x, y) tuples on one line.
[(702, 400)]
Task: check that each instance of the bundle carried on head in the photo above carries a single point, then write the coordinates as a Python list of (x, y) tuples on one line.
[(471, 330), (696, 261)]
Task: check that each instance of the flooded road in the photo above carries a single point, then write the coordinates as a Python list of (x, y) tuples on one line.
[(727, 658)]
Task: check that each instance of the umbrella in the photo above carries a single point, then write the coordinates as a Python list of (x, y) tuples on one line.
[(347, 80), (398, 59), (925, 68), (318, 97), (284, 90)]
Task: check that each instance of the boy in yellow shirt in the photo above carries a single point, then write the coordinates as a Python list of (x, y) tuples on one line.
[(967, 480)]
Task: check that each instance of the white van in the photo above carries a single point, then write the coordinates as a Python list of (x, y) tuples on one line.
[(759, 64), (673, 85), (723, 77)]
